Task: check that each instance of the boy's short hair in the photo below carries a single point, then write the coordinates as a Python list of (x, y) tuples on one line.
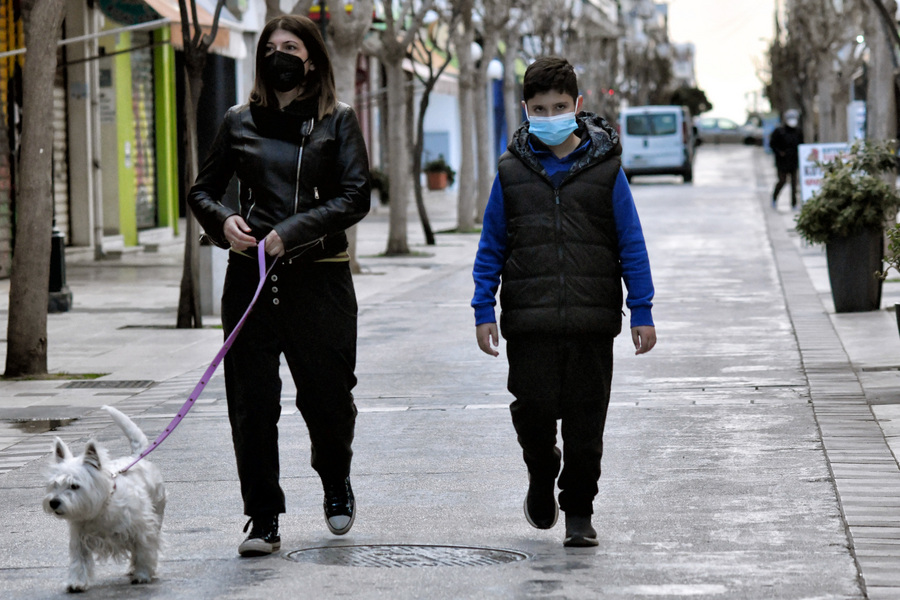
[(550, 73)]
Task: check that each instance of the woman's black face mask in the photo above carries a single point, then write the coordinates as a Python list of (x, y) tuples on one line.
[(283, 71)]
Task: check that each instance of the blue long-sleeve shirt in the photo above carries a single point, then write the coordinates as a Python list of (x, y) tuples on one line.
[(491, 255)]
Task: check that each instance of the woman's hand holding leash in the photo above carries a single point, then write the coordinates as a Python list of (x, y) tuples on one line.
[(274, 245), (237, 233)]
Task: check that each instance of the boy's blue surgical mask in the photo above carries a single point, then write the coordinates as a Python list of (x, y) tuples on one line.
[(553, 131)]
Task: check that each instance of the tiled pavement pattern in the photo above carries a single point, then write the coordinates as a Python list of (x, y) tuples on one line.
[(865, 471)]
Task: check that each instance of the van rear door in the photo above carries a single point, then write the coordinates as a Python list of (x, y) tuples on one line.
[(652, 140)]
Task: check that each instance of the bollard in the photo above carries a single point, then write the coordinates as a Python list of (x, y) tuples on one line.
[(60, 295)]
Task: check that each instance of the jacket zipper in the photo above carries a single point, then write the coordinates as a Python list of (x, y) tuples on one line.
[(316, 241), (252, 203), (297, 184), (560, 257)]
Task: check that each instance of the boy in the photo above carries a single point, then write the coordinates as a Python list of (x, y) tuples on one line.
[(562, 230)]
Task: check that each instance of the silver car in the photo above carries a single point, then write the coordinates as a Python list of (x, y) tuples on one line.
[(718, 130)]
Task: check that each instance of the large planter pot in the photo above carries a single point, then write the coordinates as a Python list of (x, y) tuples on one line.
[(852, 263), (437, 180)]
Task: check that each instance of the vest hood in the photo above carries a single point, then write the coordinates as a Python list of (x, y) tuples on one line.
[(604, 141)]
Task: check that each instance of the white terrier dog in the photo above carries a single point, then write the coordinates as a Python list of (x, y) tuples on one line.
[(110, 514)]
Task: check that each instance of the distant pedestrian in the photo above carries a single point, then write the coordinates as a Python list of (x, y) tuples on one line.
[(784, 142), (560, 233), (303, 169)]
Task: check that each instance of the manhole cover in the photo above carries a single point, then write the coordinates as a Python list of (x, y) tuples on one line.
[(406, 555), (108, 384)]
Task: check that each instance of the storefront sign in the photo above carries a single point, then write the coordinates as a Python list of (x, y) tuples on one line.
[(810, 172)]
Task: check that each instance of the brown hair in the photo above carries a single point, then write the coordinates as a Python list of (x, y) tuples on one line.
[(319, 81), (550, 73)]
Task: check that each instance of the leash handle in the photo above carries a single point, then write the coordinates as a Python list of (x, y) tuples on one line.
[(207, 375)]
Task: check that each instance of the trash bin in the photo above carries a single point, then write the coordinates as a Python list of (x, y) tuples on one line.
[(60, 295)]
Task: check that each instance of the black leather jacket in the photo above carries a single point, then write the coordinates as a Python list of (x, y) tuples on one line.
[(306, 179)]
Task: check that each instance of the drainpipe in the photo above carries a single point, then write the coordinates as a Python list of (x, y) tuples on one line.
[(95, 150)]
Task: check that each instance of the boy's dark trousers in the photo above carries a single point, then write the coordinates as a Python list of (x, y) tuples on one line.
[(308, 312), (568, 378)]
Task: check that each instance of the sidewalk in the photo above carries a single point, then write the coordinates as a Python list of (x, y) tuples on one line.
[(852, 362), (749, 456), (122, 327)]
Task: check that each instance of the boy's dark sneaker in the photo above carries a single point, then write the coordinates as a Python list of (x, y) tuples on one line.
[(263, 539), (541, 510), (340, 507), (579, 532)]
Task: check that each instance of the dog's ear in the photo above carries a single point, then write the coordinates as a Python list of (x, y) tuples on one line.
[(60, 451), (92, 455)]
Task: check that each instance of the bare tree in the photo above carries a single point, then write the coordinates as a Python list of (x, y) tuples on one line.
[(391, 47), (463, 38), (432, 50), (196, 47), (512, 42), (494, 18), (785, 76), (593, 49), (828, 31), (552, 23), (29, 293), (881, 35), (344, 32)]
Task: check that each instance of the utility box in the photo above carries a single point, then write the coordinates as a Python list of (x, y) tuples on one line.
[(60, 295), (213, 263)]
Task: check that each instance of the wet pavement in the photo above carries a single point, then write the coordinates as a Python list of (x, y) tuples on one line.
[(750, 455)]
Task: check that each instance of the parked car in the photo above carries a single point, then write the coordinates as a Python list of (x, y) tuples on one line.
[(657, 140), (718, 130)]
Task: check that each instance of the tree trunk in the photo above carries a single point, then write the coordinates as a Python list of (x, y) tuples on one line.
[(467, 174), (29, 292), (417, 146), (881, 108), (343, 62), (484, 139), (511, 96), (399, 168), (840, 102), (347, 33), (189, 313), (826, 83)]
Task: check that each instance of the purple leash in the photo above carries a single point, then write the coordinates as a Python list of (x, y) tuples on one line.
[(183, 411)]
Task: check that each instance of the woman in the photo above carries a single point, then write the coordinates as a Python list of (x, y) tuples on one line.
[(301, 161)]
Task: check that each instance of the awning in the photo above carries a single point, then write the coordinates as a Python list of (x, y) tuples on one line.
[(128, 12), (229, 41)]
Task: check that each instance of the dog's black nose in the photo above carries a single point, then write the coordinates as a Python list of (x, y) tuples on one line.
[(54, 504)]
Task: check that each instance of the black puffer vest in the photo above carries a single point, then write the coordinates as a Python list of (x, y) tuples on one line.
[(562, 275)]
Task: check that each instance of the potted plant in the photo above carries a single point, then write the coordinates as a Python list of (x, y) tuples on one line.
[(892, 260), (438, 173), (848, 214)]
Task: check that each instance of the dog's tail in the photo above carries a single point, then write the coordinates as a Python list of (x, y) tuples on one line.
[(133, 432)]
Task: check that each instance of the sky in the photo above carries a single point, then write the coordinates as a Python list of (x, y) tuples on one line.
[(730, 39)]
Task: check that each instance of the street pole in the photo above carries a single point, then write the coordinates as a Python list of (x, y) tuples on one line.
[(322, 23)]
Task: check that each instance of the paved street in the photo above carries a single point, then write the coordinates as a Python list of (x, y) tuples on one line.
[(750, 455)]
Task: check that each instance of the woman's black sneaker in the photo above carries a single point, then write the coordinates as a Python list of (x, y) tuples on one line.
[(263, 539), (340, 506)]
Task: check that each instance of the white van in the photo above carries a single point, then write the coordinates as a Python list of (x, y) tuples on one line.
[(657, 140)]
